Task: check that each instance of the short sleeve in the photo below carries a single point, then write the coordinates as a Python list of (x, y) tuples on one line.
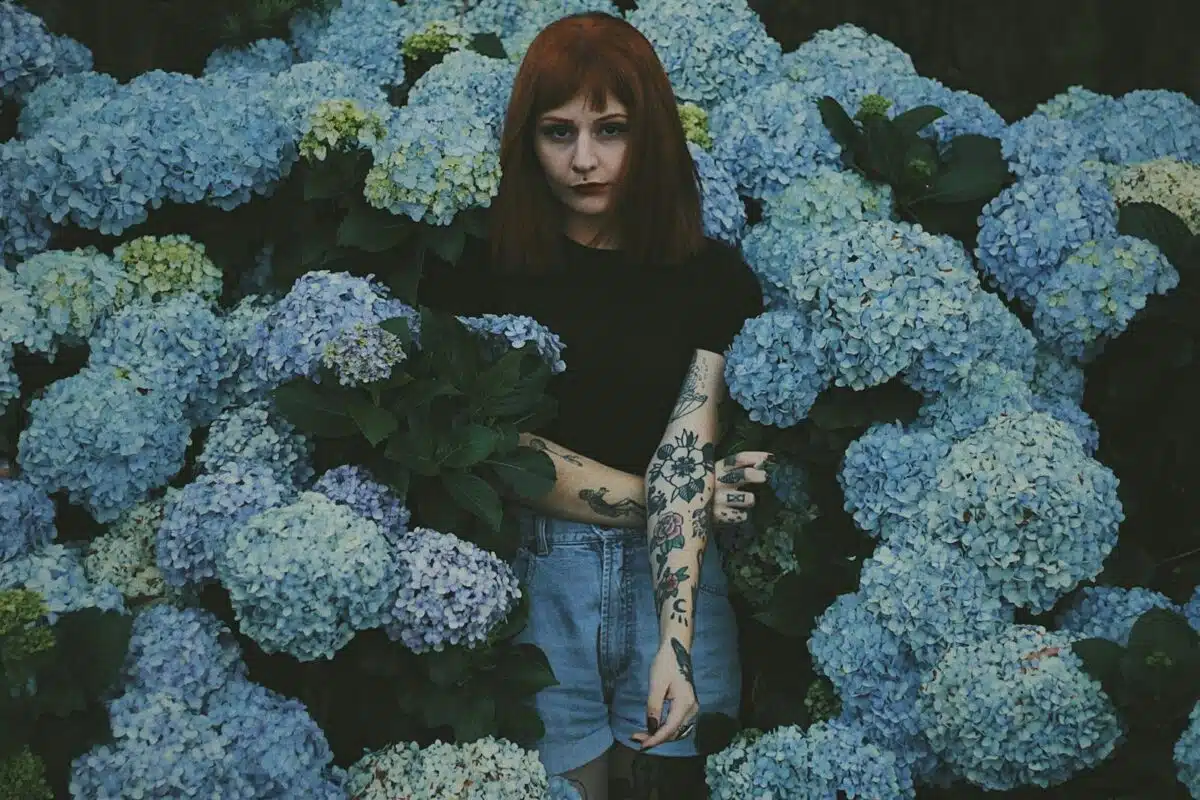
[(464, 288), (731, 296)]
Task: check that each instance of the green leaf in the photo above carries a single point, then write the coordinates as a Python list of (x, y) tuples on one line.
[(468, 445), (494, 385), (328, 179), (419, 393), (520, 723), (305, 405), (447, 241), (1164, 631), (528, 472), (843, 129), (1102, 660), (447, 667), (401, 328), (526, 670), (1158, 226), (974, 170), (885, 148), (912, 121), (375, 423), (370, 229), (487, 44), (475, 495), (413, 449)]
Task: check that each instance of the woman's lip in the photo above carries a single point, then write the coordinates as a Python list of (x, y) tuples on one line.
[(590, 189)]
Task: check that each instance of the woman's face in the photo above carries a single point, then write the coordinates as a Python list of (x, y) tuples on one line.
[(579, 146)]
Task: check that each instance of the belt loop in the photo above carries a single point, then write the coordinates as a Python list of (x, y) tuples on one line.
[(541, 538)]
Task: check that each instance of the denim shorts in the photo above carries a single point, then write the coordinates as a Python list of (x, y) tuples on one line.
[(592, 613)]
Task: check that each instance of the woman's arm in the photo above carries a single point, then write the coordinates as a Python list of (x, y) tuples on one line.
[(588, 491), (680, 486)]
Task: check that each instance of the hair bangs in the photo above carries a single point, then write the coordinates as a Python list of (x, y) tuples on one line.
[(596, 73)]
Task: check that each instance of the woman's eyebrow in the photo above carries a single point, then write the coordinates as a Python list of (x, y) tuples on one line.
[(605, 118)]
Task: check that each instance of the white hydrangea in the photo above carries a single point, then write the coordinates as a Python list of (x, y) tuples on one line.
[(486, 769), (339, 125), (163, 266), (1168, 182), (125, 555)]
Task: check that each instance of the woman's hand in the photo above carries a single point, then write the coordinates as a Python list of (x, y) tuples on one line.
[(736, 473), (670, 684)]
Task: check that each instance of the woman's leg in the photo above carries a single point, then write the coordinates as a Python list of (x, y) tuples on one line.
[(591, 779)]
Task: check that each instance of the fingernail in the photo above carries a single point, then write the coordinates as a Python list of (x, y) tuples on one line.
[(651, 724)]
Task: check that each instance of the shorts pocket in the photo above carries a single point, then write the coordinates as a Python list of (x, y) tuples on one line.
[(524, 565)]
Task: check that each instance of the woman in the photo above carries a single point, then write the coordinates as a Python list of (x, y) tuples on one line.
[(596, 232)]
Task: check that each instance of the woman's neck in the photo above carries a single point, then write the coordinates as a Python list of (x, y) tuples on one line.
[(589, 234)]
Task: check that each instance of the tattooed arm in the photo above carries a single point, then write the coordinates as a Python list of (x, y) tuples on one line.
[(680, 485), (588, 491)]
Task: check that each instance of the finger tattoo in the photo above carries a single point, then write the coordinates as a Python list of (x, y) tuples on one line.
[(734, 477)]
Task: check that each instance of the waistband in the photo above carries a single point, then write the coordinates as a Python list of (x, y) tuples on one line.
[(540, 533)]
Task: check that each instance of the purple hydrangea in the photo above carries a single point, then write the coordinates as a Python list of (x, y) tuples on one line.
[(353, 486)]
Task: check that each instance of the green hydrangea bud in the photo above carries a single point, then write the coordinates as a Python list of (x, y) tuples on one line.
[(695, 124), (164, 266), (339, 125), (921, 166), (23, 777), (757, 566), (435, 39), (821, 701), (873, 105), (24, 631)]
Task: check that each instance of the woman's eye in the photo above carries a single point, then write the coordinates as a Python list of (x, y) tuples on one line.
[(556, 131), (615, 129)]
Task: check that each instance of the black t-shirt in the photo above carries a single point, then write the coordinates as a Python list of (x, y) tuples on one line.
[(629, 330)]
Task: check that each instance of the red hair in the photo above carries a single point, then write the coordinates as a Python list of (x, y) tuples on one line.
[(657, 200)]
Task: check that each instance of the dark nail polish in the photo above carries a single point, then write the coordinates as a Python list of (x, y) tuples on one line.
[(651, 724)]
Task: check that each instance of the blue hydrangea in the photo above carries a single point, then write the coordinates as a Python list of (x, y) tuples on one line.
[(199, 518), (713, 50), (30, 54), (71, 292), (255, 435), (175, 347), (10, 381), (464, 76), (105, 440), (771, 251), (24, 229), (1028, 229), (297, 92), (365, 35), (26, 518), (1187, 754), (317, 555), (891, 293), (875, 674), (60, 95), (160, 747), (1096, 292), (1192, 609), (320, 305), (770, 136), (828, 200), (1076, 104), (185, 653), (789, 483), (518, 22), (270, 56), (1109, 612), (455, 592), (242, 383), (986, 391), (993, 334), (1056, 376), (1017, 709), (1068, 411), (846, 49), (56, 573), (515, 331), (281, 750), (435, 161), (966, 113), (18, 314), (1027, 506), (724, 212), (1041, 145), (815, 764), (885, 472), (776, 367), (353, 486), (363, 354), (1144, 125), (930, 596)]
